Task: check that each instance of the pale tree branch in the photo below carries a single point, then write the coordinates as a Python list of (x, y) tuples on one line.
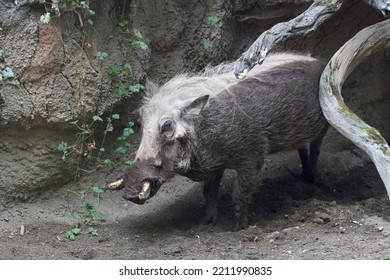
[(368, 41), (304, 24), (381, 5)]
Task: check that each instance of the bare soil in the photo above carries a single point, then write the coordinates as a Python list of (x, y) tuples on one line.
[(345, 215)]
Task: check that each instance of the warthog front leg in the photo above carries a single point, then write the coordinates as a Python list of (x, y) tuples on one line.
[(210, 193), (249, 179)]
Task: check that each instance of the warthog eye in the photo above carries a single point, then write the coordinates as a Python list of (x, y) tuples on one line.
[(167, 127)]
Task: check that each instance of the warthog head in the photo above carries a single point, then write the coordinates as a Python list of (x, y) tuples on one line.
[(169, 119)]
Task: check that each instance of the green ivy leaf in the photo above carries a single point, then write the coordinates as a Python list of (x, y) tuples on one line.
[(97, 118), (62, 147), (115, 116), (93, 231), (73, 3), (140, 45), (212, 19), (120, 150), (128, 162), (97, 215), (113, 70), (207, 45), (70, 235), (137, 33), (76, 230), (123, 24), (127, 132), (122, 90), (136, 88), (88, 207), (212, 22), (128, 69), (45, 18), (97, 190), (101, 55), (20, 213), (8, 73)]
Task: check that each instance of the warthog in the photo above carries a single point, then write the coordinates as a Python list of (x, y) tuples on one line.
[(198, 126)]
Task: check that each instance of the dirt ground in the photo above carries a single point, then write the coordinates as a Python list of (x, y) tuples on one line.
[(345, 215)]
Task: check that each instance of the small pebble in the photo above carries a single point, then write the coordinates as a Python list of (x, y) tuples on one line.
[(318, 221)]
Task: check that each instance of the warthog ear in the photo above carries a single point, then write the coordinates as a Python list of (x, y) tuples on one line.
[(192, 107), (150, 88)]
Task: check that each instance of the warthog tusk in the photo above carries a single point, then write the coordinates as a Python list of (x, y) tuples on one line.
[(117, 185), (145, 192)]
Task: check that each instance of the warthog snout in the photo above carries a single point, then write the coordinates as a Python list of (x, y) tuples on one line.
[(142, 181), (141, 192)]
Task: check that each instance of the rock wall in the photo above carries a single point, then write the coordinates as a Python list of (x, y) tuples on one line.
[(58, 77)]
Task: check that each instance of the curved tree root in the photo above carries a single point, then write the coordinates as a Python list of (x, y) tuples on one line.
[(307, 22), (344, 61)]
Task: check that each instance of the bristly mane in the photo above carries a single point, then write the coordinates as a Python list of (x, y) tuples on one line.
[(212, 80)]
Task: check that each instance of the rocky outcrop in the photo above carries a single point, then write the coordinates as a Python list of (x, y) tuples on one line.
[(58, 78)]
